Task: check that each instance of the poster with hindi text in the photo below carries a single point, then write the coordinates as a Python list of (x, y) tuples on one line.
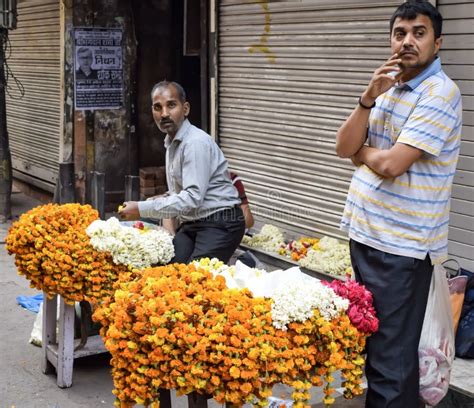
[(98, 68)]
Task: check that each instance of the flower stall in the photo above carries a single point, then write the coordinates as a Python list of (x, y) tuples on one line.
[(57, 255), (229, 332)]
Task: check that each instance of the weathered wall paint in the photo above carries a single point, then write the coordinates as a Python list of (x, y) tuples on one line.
[(262, 46)]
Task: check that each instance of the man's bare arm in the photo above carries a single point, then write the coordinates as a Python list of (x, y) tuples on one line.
[(388, 162), (353, 132)]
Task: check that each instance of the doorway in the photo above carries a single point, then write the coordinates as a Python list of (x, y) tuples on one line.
[(170, 37)]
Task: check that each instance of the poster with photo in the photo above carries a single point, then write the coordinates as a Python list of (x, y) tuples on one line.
[(98, 70)]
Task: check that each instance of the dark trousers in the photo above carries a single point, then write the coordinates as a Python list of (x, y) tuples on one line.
[(400, 287), (216, 236)]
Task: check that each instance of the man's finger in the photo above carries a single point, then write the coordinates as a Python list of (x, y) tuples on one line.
[(393, 62)]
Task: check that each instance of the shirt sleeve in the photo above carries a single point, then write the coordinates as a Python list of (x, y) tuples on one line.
[(430, 125), (239, 186), (196, 173)]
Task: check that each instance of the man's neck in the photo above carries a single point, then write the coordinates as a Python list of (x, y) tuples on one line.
[(411, 73)]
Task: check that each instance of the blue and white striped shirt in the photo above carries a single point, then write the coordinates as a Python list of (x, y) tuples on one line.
[(408, 215)]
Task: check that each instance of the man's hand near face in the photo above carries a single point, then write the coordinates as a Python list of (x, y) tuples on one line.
[(129, 211)]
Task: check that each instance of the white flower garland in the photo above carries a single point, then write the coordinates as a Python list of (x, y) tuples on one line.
[(332, 257), (270, 239), (131, 246), (215, 266), (293, 299), (297, 300)]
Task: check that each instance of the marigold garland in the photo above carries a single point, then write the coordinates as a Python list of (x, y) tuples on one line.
[(53, 251), (178, 327)]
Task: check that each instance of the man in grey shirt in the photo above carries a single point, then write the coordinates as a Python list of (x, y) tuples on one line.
[(201, 195)]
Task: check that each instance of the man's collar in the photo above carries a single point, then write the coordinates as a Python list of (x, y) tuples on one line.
[(432, 69), (180, 134)]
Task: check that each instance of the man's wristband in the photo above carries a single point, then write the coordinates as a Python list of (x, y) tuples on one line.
[(365, 106)]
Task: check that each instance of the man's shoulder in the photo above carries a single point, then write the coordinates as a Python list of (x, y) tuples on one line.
[(197, 135), (440, 85)]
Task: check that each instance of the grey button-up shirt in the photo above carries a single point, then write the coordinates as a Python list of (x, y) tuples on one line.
[(198, 178)]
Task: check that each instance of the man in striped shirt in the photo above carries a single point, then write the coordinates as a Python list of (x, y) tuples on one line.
[(404, 137)]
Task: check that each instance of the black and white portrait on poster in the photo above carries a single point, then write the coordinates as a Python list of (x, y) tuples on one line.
[(98, 70)]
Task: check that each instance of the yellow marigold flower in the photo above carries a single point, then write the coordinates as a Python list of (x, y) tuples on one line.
[(234, 372), (246, 388), (53, 251)]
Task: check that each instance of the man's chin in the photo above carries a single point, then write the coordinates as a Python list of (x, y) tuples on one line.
[(170, 128)]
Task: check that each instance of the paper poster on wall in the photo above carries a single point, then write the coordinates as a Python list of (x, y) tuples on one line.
[(98, 70)]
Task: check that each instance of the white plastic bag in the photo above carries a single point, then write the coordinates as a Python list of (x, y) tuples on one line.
[(36, 333), (436, 349), (36, 336)]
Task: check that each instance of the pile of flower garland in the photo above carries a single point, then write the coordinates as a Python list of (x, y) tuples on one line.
[(292, 300), (361, 310), (326, 254), (135, 247), (330, 256), (269, 239), (179, 327), (53, 251), (298, 249), (296, 301)]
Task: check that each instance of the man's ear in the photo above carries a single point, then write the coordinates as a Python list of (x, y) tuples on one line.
[(187, 108), (438, 43)]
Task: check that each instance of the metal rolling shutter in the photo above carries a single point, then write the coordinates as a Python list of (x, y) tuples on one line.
[(34, 121), (289, 73), (457, 55)]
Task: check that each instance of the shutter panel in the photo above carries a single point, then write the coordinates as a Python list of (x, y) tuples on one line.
[(290, 73), (34, 120), (457, 55)]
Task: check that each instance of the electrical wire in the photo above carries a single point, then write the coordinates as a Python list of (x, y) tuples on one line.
[(7, 49)]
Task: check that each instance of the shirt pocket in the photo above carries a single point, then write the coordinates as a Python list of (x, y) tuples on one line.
[(395, 126)]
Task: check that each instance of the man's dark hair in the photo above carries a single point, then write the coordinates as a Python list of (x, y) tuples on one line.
[(412, 8), (166, 84)]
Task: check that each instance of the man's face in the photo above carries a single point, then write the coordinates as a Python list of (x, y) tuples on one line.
[(168, 111), (415, 43), (85, 60)]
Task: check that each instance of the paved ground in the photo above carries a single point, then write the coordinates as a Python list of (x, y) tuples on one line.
[(23, 385)]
